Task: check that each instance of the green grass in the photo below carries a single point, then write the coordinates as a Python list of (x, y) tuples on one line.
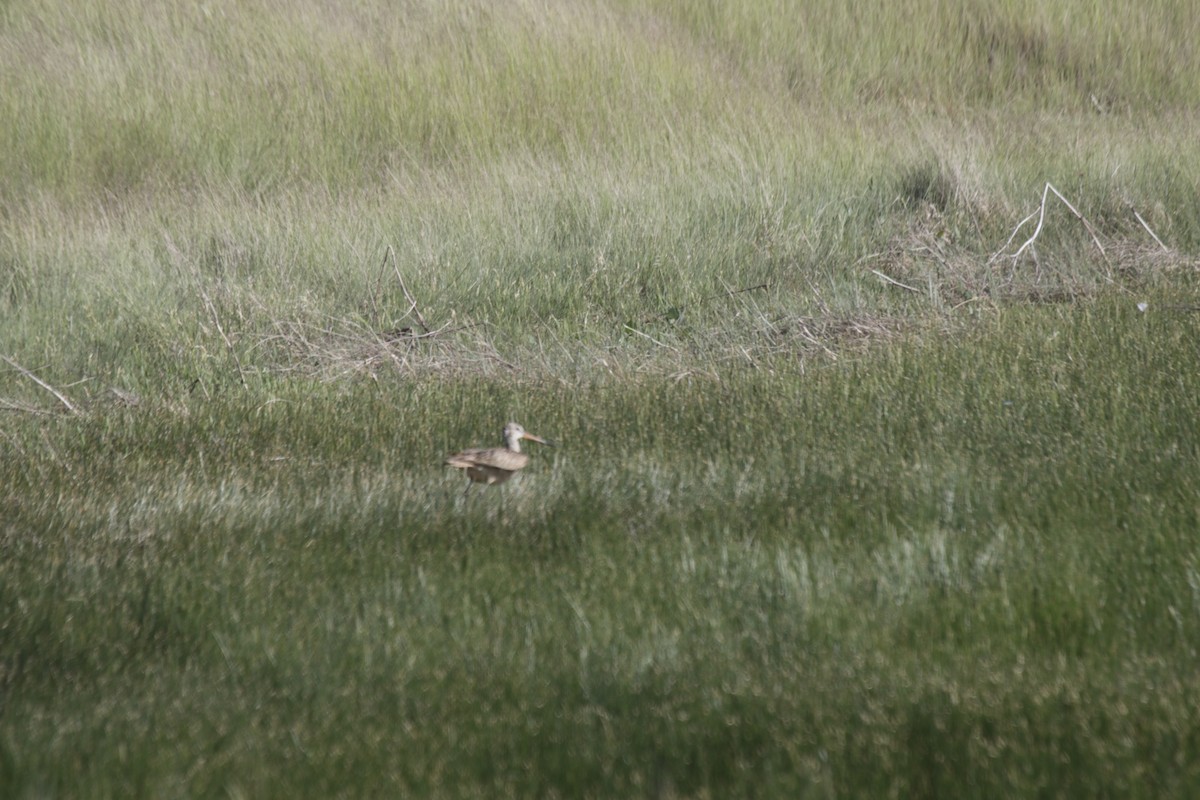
[(944, 565), (846, 501)]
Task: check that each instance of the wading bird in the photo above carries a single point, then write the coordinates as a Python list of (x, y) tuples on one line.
[(495, 464)]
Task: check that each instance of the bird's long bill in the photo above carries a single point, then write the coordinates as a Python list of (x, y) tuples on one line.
[(537, 439)]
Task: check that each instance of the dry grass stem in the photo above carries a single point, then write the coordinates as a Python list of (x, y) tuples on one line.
[(13, 405), (895, 282), (211, 308), (71, 407), (631, 329), (413, 309), (1153, 235)]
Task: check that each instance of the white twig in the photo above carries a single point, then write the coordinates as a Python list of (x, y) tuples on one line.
[(412, 303), (1080, 217), (1012, 236), (895, 282), (61, 397), (216, 318), (632, 329), (1152, 234), (1041, 215), (1037, 230)]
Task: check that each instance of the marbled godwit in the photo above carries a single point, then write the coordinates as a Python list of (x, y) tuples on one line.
[(495, 464)]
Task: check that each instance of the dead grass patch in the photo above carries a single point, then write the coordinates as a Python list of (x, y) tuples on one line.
[(928, 258), (342, 348)]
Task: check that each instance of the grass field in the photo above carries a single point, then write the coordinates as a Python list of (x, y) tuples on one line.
[(847, 500)]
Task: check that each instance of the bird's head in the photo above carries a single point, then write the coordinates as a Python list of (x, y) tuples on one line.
[(514, 433)]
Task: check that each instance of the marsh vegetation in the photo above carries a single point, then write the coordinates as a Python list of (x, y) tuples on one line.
[(849, 500)]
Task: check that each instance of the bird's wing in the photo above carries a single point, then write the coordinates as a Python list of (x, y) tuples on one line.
[(497, 457)]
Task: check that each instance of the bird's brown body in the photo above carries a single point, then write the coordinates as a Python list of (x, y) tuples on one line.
[(494, 465)]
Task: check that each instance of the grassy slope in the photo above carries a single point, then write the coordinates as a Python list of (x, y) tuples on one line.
[(585, 167), (768, 557)]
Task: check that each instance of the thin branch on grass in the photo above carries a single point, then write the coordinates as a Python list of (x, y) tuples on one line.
[(895, 282), (412, 303), (13, 405), (494, 355), (968, 301), (816, 293), (502, 362), (1040, 213), (1152, 234), (632, 329), (212, 312), (61, 397), (1012, 236)]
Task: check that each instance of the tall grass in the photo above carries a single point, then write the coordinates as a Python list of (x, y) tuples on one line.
[(101, 100), (581, 167), (1023, 56), (533, 256)]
